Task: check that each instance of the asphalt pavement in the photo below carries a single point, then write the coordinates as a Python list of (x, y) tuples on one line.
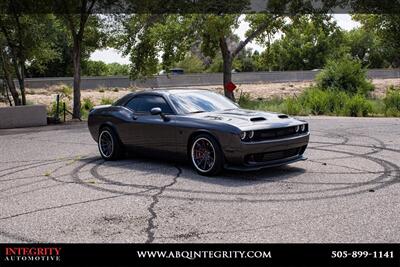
[(54, 187)]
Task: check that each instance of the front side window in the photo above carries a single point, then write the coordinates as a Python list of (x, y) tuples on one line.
[(144, 103)]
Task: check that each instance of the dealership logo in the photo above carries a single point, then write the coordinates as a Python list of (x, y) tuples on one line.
[(31, 254)]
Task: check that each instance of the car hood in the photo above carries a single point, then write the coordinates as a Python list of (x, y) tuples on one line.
[(249, 119)]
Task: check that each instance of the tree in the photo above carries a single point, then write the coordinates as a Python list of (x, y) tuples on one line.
[(367, 47), (191, 64), (144, 37), (306, 43), (387, 28), (94, 68), (76, 23), (6, 67), (24, 40)]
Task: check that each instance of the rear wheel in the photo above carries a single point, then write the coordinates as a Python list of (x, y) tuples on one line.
[(206, 155), (109, 145)]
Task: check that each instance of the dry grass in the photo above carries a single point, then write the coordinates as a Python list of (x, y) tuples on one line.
[(260, 91)]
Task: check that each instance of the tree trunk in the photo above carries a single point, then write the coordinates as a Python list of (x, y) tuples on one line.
[(76, 112), (227, 72), (8, 96), (227, 66), (10, 81), (21, 80)]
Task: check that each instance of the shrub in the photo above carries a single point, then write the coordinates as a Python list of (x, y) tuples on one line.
[(244, 100), (115, 90), (316, 100), (292, 106), (392, 102), (357, 106), (87, 104), (101, 90), (106, 101), (53, 108), (346, 75), (65, 91)]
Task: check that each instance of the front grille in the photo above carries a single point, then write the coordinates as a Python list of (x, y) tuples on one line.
[(271, 156), (269, 134)]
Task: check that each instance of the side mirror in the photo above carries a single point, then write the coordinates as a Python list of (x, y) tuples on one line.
[(156, 111)]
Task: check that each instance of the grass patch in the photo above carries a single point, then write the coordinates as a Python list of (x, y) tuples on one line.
[(106, 101), (314, 101), (392, 102)]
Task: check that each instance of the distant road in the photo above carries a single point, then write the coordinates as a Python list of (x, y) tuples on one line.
[(196, 79)]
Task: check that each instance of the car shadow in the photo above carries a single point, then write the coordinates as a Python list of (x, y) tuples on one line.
[(229, 178)]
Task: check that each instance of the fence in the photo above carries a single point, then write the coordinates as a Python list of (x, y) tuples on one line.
[(202, 79)]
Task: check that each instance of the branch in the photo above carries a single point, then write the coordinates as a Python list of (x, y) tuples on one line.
[(70, 20), (253, 35), (84, 16)]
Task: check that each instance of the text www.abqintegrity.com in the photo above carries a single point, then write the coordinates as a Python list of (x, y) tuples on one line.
[(203, 254)]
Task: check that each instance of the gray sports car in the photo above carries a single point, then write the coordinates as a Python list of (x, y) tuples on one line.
[(205, 127)]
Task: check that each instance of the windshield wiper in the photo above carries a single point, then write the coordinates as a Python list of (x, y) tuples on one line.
[(197, 111)]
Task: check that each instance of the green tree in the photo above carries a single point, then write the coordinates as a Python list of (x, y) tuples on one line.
[(77, 25), (306, 43), (118, 69), (367, 47), (144, 37), (191, 64), (24, 40), (94, 68), (387, 28), (7, 72)]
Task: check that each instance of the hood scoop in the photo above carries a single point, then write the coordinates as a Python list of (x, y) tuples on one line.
[(283, 116), (255, 119)]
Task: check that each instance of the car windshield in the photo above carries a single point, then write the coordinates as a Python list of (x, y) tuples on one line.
[(201, 101)]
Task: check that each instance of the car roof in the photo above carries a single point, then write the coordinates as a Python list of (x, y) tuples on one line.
[(158, 91)]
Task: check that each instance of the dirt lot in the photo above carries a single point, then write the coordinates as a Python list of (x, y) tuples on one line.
[(268, 90)]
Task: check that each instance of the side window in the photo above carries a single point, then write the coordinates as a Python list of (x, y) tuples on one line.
[(134, 104), (143, 104)]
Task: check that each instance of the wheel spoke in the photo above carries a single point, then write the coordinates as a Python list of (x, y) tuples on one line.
[(106, 144), (203, 154)]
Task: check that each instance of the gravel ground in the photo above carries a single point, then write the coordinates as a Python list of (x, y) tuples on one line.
[(54, 187)]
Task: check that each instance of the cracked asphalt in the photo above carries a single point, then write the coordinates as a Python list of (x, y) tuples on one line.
[(54, 187)]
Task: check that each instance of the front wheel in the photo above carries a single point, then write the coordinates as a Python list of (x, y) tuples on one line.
[(109, 146), (206, 155)]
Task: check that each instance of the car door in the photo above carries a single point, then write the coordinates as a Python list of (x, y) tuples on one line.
[(154, 134), (130, 130)]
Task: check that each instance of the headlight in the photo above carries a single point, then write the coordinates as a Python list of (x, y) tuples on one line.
[(297, 128), (242, 135), (250, 134), (303, 127)]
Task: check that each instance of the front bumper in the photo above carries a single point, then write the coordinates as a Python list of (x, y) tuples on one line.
[(270, 164), (264, 154)]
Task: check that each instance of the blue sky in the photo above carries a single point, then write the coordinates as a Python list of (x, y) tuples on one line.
[(112, 55)]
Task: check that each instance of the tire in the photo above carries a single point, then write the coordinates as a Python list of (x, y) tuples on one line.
[(113, 150), (206, 155)]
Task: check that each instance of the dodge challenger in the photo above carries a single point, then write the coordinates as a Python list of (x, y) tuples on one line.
[(201, 126)]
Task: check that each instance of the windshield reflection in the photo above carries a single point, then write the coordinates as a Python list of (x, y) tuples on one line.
[(201, 101)]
